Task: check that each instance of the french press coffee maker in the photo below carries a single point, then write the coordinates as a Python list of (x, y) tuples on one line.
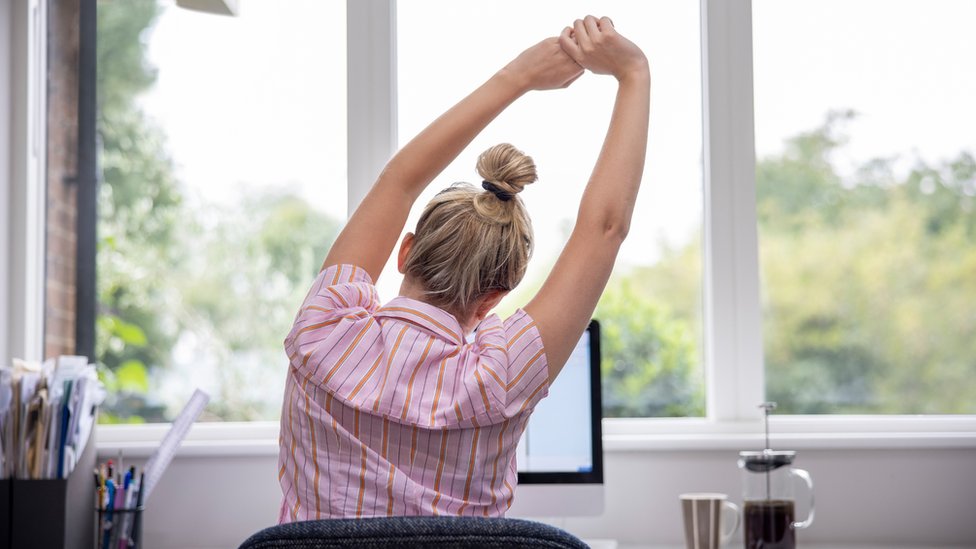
[(768, 479)]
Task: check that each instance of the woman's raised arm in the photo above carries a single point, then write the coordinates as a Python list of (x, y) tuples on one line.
[(563, 306), (371, 234)]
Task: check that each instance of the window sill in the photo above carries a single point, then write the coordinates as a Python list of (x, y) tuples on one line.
[(794, 432), (620, 435), (793, 441)]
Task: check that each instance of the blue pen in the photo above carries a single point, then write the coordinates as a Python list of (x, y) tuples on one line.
[(107, 528)]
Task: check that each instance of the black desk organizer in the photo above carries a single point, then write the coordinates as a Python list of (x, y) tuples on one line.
[(55, 514)]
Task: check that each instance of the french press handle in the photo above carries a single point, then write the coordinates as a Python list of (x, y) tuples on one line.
[(809, 481)]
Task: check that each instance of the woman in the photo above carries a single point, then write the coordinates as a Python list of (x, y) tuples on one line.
[(392, 410)]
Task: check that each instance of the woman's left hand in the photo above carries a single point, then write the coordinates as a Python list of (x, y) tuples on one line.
[(544, 66)]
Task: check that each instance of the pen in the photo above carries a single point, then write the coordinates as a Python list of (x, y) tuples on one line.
[(98, 490), (121, 516), (107, 530), (133, 539), (127, 518), (119, 497)]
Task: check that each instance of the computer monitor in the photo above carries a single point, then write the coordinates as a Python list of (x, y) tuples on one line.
[(560, 455)]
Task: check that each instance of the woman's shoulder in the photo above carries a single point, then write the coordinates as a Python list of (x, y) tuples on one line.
[(511, 342), (513, 361), (339, 290), (343, 273)]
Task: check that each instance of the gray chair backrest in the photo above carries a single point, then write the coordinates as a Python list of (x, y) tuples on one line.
[(413, 532)]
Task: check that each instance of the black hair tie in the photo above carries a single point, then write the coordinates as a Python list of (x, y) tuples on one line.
[(504, 196)]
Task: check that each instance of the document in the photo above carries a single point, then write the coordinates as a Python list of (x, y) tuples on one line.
[(47, 412)]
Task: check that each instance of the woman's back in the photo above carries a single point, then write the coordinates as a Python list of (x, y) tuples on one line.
[(388, 411)]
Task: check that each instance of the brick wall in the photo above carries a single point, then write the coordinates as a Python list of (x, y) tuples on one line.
[(62, 149)]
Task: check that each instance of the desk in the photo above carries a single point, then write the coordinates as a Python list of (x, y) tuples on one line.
[(738, 545)]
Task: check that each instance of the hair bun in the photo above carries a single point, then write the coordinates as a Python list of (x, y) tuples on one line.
[(507, 169)]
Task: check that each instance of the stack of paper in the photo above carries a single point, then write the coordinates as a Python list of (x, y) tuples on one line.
[(47, 412)]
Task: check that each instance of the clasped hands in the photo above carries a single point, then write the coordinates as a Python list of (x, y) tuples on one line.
[(591, 44)]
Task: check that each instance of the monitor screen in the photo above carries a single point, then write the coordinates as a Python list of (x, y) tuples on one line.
[(562, 441)]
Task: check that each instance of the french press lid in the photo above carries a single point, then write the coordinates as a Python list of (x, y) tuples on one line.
[(765, 460)]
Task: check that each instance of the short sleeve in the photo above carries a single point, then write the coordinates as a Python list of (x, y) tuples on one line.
[(339, 305), (342, 287), (513, 364)]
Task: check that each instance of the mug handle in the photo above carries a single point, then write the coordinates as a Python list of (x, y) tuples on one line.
[(735, 526), (809, 481)]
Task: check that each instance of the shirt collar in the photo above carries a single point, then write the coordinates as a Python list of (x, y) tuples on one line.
[(434, 319)]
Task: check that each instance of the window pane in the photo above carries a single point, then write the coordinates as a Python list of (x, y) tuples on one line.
[(223, 157), (651, 311), (866, 183)]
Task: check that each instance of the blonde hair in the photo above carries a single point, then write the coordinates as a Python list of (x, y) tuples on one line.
[(469, 242)]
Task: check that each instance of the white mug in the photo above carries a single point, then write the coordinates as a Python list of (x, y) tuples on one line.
[(702, 513)]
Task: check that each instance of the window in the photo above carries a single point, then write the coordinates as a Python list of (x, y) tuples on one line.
[(866, 203), (223, 158), (651, 310), (730, 85)]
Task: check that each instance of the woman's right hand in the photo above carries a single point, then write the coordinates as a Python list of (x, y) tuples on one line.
[(597, 46)]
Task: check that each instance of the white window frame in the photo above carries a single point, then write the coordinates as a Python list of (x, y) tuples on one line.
[(7, 57), (733, 323), (23, 138)]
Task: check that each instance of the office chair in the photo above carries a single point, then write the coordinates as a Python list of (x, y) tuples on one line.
[(413, 533)]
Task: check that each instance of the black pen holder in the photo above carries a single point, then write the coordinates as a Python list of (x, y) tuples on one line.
[(50, 513), (118, 528)]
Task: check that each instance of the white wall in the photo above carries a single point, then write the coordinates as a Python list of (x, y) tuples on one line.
[(888, 497)]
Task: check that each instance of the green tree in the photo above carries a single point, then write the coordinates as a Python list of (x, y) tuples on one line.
[(248, 275), (139, 206), (869, 286), (651, 366), (869, 281)]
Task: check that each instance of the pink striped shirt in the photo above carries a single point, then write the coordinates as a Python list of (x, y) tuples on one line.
[(388, 411)]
